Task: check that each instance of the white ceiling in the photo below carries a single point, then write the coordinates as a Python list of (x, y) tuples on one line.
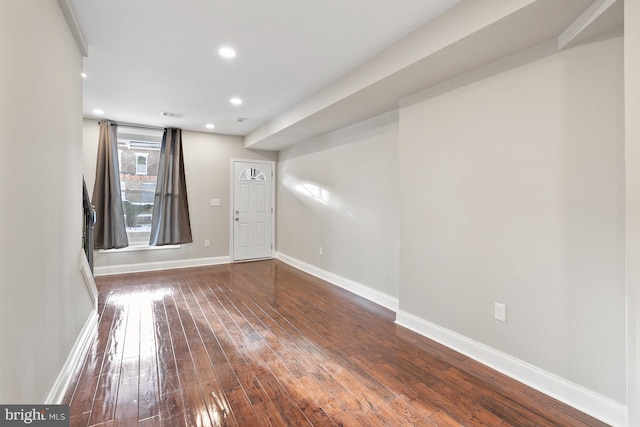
[(148, 56)]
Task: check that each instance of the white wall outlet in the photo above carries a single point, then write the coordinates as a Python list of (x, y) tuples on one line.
[(214, 202), (320, 251), (500, 312), (207, 242)]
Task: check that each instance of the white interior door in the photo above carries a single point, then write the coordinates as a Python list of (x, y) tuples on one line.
[(252, 213)]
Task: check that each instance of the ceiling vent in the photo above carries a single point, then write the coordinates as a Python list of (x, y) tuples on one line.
[(168, 114)]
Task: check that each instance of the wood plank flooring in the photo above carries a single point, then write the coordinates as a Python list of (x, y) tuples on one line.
[(261, 343)]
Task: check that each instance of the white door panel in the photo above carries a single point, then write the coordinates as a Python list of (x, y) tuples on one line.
[(253, 215), (243, 207)]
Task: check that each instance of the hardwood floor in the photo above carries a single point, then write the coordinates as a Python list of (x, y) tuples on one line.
[(261, 343)]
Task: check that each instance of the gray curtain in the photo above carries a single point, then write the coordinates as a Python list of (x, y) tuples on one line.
[(170, 224), (109, 231)]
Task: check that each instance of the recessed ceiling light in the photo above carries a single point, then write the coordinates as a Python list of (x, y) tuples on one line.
[(210, 126), (98, 111), (227, 52), (84, 75), (235, 101)]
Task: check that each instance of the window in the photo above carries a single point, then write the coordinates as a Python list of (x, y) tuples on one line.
[(252, 175), (141, 163), (148, 190), (123, 189), (139, 154)]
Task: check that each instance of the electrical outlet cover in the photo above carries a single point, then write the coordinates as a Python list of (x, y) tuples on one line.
[(500, 312)]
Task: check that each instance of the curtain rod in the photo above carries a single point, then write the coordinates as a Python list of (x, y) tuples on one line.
[(132, 125)]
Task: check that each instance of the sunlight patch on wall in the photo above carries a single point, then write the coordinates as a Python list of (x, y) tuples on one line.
[(316, 192)]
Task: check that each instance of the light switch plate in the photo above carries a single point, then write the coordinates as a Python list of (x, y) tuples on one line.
[(500, 312), (215, 202)]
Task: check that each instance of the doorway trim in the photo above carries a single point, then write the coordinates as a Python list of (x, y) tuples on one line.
[(232, 194)]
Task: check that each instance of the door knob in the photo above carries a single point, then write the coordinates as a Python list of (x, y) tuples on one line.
[(237, 219)]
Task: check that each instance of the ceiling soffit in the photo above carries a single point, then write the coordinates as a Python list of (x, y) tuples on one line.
[(484, 34)]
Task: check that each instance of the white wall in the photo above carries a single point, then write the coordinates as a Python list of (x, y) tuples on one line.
[(339, 192), (207, 160), (43, 302), (512, 191), (632, 141)]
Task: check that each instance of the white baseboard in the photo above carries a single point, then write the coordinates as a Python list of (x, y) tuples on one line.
[(160, 265), (359, 289), (75, 358), (581, 398)]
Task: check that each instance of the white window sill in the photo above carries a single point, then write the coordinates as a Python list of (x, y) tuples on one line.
[(136, 248)]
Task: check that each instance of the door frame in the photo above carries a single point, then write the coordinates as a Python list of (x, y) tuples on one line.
[(232, 199)]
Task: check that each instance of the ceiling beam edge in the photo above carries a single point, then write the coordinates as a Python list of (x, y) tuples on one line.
[(592, 13), (74, 26)]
